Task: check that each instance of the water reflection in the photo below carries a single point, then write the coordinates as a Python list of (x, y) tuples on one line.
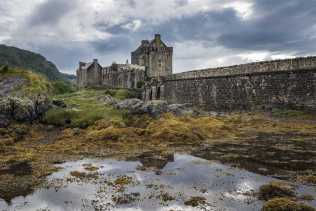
[(135, 185)]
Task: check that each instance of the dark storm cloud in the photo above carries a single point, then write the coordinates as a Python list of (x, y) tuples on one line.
[(51, 12), (116, 43), (276, 26)]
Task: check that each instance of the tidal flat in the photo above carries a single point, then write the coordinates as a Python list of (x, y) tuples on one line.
[(101, 158)]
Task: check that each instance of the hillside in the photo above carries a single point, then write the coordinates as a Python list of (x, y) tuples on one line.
[(15, 57)]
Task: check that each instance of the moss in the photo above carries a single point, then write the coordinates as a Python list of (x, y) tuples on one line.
[(307, 197), (289, 113), (195, 201), (36, 84), (78, 174), (285, 204), (114, 134), (165, 197), (83, 109), (84, 175), (90, 167), (276, 189), (123, 181), (309, 179)]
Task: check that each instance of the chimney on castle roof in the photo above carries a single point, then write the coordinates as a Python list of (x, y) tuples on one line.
[(95, 60), (157, 37)]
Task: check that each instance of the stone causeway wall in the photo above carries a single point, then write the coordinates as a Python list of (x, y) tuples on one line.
[(287, 83)]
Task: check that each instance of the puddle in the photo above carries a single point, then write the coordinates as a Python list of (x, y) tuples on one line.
[(147, 185)]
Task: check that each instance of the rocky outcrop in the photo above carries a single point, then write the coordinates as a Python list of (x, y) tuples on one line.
[(23, 109), (8, 85), (154, 108), (108, 100), (133, 106)]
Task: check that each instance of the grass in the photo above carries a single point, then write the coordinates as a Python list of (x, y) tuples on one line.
[(285, 204), (291, 113), (35, 83), (276, 189), (83, 109)]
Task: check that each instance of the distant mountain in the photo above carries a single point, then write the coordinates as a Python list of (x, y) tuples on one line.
[(15, 57)]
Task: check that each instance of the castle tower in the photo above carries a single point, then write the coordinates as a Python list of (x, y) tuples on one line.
[(155, 55)]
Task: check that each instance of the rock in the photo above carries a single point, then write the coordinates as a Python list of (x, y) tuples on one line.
[(155, 107), (42, 104), (126, 198), (76, 131), (108, 100), (23, 109), (133, 105), (180, 109), (5, 107), (4, 121), (59, 103), (9, 85)]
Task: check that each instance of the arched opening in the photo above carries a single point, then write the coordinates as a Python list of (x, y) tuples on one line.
[(158, 93)]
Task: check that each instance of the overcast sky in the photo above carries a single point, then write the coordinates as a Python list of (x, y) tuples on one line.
[(204, 33)]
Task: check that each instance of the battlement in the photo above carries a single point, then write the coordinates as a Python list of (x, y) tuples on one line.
[(285, 65)]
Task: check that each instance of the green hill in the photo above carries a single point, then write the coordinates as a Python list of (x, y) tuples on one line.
[(15, 57)]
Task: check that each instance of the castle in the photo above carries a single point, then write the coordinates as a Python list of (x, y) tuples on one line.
[(152, 59), (287, 83)]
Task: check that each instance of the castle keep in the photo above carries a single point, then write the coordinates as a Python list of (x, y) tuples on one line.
[(260, 85), (156, 56)]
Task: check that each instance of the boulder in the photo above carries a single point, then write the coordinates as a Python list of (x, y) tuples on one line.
[(23, 109), (155, 107), (108, 100), (42, 104), (180, 109), (5, 107), (133, 105)]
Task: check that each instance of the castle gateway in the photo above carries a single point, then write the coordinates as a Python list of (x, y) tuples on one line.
[(259, 85)]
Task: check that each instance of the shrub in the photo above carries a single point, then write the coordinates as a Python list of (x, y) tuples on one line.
[(285, 204), (140, 84), (276, 189), (62, 87), (59, 116)]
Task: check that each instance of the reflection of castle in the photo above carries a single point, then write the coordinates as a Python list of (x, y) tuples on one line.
[(150, 61)]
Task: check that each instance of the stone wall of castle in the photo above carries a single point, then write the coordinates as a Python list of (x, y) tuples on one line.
[(89, 75), (262, 85), (123, 76)]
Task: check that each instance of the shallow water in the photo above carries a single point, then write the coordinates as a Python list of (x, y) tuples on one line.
[(179, 178)]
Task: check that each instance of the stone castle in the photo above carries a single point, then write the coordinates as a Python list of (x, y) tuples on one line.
[(259, 85), (152, 59)]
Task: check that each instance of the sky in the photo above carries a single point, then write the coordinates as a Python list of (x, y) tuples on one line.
[(204, 33)]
